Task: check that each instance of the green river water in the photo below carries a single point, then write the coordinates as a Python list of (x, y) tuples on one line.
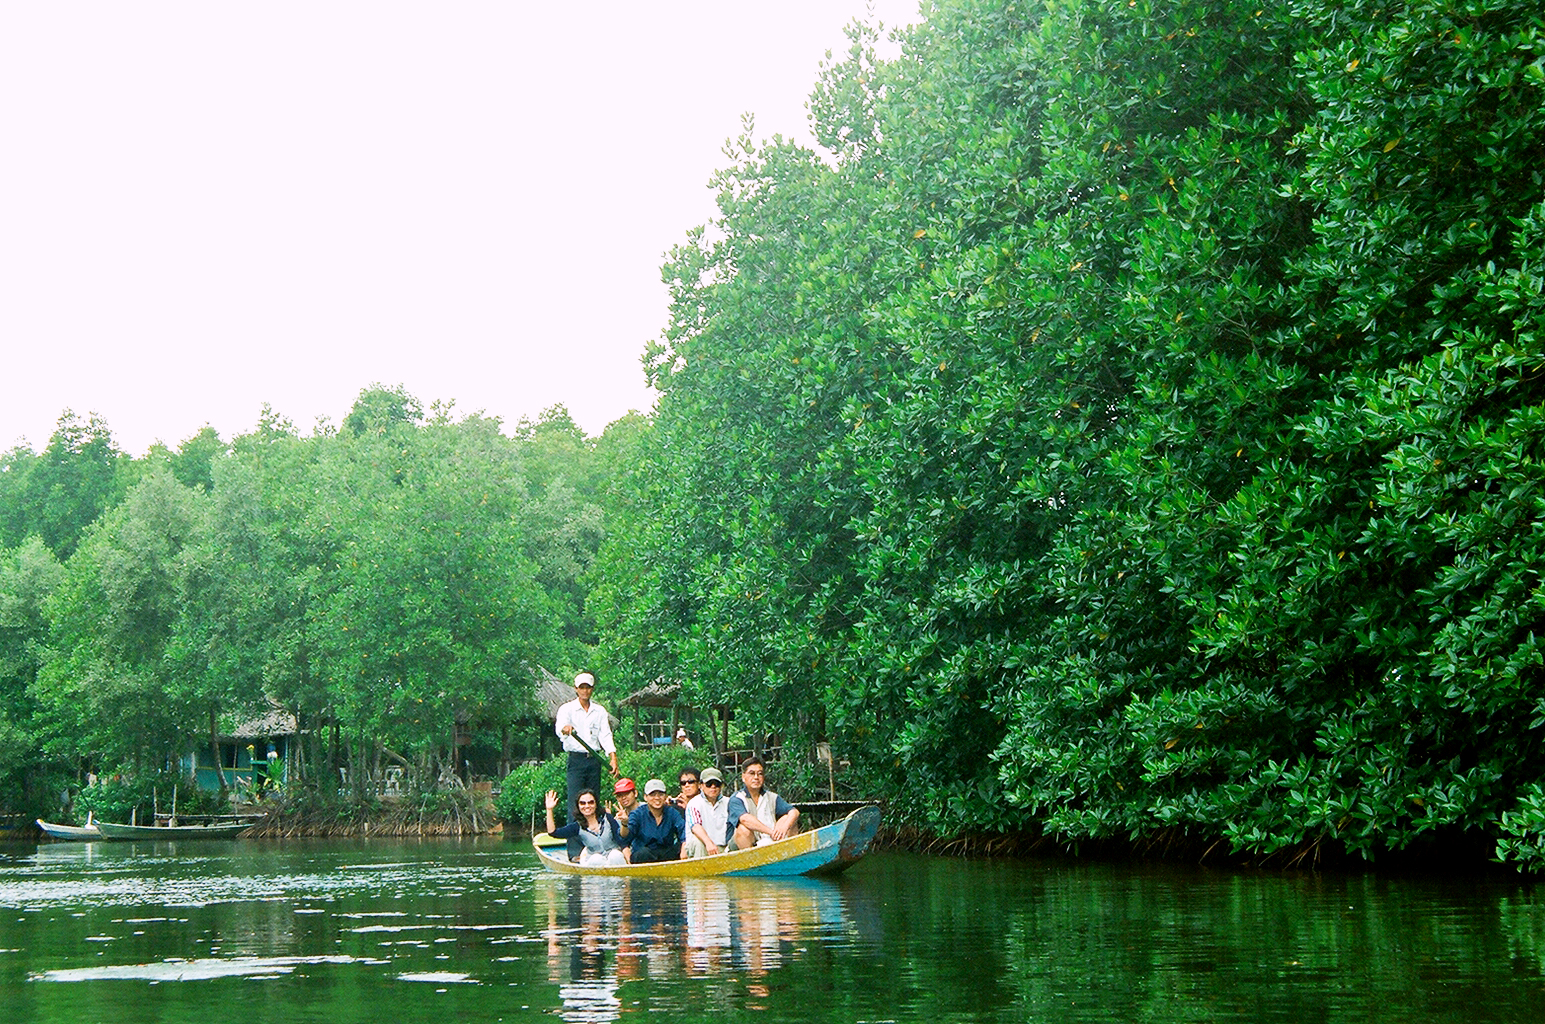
[(393, 930)]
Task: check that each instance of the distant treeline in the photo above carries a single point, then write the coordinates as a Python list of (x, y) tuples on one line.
[(1131, 423), (383, 579)]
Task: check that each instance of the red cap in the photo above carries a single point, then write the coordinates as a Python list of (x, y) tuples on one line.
[(624, 786)]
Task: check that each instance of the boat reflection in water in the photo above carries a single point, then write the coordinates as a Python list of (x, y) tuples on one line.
[(752, 927), (607, 934), (584, 917)]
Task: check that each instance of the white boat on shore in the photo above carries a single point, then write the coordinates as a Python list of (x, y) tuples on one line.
[(76, 833)]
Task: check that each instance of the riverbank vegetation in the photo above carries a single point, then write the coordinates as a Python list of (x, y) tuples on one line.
[(447, 811), (1129, 422), (393, 582), (1127, 425)]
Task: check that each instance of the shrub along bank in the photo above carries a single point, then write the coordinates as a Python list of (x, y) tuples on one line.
[(520, 802)]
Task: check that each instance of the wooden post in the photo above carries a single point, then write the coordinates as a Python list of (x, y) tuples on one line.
[(214, 748)]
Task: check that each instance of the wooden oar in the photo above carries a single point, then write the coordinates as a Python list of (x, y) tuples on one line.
[(581, 741)]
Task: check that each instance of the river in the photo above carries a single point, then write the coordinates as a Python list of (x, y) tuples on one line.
[(473, 930)]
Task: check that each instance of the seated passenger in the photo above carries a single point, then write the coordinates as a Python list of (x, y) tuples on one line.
[(627, 802), (657, 829), (690, 787), (596, 830), (758, 815), (708, 817)]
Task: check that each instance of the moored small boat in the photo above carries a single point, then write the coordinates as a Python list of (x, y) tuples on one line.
[(226, 831), (77, 833), (823, 851)]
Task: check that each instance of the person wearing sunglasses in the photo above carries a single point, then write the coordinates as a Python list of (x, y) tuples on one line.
[(596, 830), (585, 730), (708, 818), (689, 789)]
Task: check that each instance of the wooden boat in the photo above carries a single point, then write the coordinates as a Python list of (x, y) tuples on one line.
[(228, 831), (78, 833), (824, 851)]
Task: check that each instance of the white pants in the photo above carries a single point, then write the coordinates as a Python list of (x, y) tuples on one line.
[(610, 859)]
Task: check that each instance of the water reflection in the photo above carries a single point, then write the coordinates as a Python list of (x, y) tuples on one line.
[(360, 931), (584, 917), (65, 854), (194, 970), (608, 936)]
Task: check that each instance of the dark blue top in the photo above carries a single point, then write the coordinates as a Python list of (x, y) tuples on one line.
[(609, 839), (645, 831)]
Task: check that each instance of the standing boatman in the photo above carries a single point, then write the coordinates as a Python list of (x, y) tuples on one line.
[(586, 731)]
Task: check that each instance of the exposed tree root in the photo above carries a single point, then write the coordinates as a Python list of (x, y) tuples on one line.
[(456, 813)]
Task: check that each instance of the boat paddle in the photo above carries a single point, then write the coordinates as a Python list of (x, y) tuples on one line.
[(591, 750)]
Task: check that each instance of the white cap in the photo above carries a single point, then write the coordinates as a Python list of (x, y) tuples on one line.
[(584, 679)]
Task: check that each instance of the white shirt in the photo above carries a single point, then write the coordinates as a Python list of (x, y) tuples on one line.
[(593, 725), (715, 817)]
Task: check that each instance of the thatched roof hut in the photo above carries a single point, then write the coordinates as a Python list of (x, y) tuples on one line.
[(658, 694), (277, 722), (655, 728)]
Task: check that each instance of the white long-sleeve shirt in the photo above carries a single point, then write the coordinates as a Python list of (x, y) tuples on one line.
[(593, 725)]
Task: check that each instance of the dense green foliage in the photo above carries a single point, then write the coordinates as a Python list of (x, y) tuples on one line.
[(521, 795), (138, 798), (383, 581), (56, 493), (1131, 422)]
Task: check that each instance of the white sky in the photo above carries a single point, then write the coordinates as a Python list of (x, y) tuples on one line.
[(205, 206)]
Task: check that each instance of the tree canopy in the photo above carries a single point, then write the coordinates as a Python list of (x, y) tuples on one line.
[(386, 582), (1129, 422)]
